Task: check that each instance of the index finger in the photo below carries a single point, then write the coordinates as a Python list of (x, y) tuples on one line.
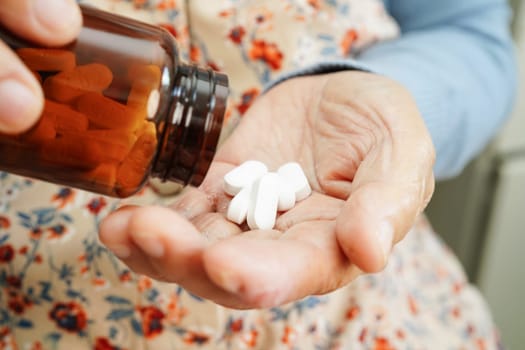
[(265, 272)]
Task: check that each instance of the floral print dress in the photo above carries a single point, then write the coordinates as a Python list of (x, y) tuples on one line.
[(61, 289)]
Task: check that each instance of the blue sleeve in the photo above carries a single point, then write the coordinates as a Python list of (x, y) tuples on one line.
[(457, 59)]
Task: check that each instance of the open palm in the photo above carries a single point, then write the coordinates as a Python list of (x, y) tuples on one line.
[(368, 157)]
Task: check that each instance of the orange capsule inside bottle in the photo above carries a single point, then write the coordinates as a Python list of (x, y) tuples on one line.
[(120, 107)]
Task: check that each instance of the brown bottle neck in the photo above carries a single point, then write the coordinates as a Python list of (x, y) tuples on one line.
[(192, 126)]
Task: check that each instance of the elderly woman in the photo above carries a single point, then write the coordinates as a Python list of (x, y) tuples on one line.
[(373, 98)]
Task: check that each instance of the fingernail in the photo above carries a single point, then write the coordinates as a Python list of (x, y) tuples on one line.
[(121, 251), (386, 238), (56, 14), (16, 102), (117, 221), (153, 247), (229, 282)]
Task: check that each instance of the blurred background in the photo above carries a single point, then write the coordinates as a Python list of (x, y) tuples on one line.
[(481, 214)]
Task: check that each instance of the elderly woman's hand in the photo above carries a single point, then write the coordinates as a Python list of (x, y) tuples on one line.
[(368, 156), (46, 22)]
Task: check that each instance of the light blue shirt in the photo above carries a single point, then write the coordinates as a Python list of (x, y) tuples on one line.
[(457, 59)]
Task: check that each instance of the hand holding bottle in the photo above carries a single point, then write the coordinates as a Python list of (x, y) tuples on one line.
[(47, 22)]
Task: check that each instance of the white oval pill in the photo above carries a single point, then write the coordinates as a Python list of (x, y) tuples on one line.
[(294, 176), (243, 175), (264, 199), (286, 195), (238, 207)]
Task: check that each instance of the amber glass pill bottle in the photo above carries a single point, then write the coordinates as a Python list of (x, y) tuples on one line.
[(120, 107)]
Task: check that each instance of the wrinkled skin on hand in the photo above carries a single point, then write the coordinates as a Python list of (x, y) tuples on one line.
[(368, 156)]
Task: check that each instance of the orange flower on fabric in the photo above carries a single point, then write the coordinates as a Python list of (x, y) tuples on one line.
[(7, 253), (269, 53), (236, 326), (352, 312), (316, 4), (250, 338), (125, 276), (4, 222), (104, 344), (247, 99), (140, 3), (290, 335), (348, 41), (69, 316), (175, 311), (96, 205), (237, 34), (36, 233), (226, 13), (167, 5), (196, 338), (57, 231), (383, 344), (152, 321), (64, 196), (18, 303), (195, 53)]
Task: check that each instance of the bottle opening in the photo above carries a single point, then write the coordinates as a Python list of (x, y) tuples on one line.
[(192, 130)]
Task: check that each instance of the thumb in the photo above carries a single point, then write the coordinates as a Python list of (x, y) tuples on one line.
[(21, 99), (392, 186), (375, 217)]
